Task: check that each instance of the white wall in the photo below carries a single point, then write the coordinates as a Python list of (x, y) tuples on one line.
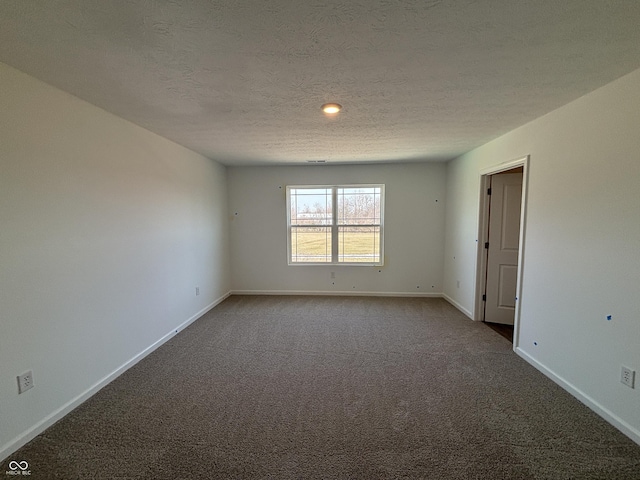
[(414, 227), (582, 243), (105, 231)]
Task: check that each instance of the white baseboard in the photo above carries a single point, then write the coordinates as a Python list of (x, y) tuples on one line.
[(457, 305), (613, 419), (25, 437), (346, 293)]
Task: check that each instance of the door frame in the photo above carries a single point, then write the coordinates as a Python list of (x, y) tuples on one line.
[(483, 237)]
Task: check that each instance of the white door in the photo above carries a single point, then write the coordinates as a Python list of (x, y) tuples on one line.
[(502, 255)]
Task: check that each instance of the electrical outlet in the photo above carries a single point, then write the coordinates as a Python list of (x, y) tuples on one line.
[(627, 376), (25, 381), (197, 291)]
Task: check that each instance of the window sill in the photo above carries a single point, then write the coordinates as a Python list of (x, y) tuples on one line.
[(341, 264)]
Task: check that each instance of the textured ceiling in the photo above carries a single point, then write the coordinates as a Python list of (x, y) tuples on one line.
[(242, 81)]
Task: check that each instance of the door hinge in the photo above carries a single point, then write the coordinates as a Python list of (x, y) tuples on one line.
[(486, 245), (484, 298), (489, 191)]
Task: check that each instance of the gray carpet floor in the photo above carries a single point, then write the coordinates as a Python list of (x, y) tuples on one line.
[(333, 388)]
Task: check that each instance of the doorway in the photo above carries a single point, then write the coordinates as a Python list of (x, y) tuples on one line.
[(500, 247)]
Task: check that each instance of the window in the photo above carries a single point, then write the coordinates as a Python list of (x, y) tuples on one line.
[(335, 224)]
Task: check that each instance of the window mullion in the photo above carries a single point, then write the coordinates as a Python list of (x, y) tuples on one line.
[(334, 225)]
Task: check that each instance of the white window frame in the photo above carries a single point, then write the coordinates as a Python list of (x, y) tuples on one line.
[(334, 224)]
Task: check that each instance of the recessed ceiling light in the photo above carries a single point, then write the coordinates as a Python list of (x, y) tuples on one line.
[(331, 108)]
